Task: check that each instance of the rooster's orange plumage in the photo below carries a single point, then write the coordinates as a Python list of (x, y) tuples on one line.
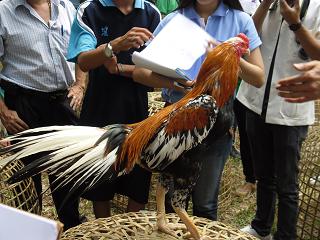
[(161, 143)]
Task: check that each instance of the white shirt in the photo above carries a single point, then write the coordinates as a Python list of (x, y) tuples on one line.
[(279, 111)]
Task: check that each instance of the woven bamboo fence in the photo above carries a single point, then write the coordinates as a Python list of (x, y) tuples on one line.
[(317, 112), (21, 195), (309, 183)]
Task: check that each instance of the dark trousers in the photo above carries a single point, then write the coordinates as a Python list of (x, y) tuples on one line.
[(276, 153), (44, 109), (246, 159)]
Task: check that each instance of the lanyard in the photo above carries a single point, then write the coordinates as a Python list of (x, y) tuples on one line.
[(269, 79)]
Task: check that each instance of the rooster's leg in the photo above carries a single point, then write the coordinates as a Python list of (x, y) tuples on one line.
[(162, 189), (183, 215), (178, 201)]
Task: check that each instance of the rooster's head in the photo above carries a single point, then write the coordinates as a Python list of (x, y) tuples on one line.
[(218, 75), (240, 44)]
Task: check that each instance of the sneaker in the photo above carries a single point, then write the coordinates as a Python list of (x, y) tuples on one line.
[(248, 229), (246, 189)]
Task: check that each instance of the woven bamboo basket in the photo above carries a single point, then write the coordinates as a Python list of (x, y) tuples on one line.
[(141, 226), (309, 182), (21, 195)]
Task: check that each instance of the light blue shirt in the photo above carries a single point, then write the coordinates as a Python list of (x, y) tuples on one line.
[(75, 3), (223, 24), (34, 54)]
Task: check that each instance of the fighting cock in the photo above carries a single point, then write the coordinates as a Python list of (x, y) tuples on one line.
[(164, 142)]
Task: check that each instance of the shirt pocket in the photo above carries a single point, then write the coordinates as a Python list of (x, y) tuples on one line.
[(294, 110), (289, 110), (61, 40)]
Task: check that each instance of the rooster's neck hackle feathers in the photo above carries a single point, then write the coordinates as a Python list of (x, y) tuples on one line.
[(218, 75)]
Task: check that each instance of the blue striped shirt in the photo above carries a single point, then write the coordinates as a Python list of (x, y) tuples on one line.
[(34, 54)]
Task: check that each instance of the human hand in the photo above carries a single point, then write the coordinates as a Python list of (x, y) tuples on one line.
[(291, 14), (212, 44), (4, 143), (303, 87), (76, 93), (182, 85), (11, 121), (134, 38)]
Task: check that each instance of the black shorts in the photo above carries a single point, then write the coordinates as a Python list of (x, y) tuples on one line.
[(134, 185)]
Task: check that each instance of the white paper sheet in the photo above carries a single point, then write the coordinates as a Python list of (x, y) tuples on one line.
[(175, 49), (250, 6), (19, 225)]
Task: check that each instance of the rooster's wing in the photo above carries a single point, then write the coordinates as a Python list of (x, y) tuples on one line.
[(184, 129)]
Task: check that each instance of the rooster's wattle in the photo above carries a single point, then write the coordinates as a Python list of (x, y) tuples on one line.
[(164, 142)]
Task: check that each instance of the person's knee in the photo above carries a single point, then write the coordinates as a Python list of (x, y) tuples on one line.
[(288, 191)]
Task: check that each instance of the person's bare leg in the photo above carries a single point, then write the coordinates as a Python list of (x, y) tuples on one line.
[(134, 206), (101, 209)]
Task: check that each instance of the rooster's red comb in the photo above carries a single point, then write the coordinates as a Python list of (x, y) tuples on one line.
[(243, 37)]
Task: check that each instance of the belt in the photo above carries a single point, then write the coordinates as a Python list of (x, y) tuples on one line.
[(14, 89)]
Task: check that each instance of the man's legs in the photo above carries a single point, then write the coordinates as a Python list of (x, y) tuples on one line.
[(101, 209), (287, 145), (246, 159), (276, 152), (260, 139), (135, 186), (40, 111)]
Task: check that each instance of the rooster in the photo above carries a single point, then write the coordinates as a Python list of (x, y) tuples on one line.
[(164, 142)]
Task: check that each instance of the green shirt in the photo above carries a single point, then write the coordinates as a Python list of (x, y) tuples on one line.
[(166, 6)]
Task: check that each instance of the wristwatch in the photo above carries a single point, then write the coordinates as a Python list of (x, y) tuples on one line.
[(295, 27), (108, 50)]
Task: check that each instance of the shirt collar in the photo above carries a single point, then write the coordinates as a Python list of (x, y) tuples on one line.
[(18, 3), (24, 2), (221, 11), (109, 3)]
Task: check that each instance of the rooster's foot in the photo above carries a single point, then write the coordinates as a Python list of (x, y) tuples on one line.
[(170, 228)]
